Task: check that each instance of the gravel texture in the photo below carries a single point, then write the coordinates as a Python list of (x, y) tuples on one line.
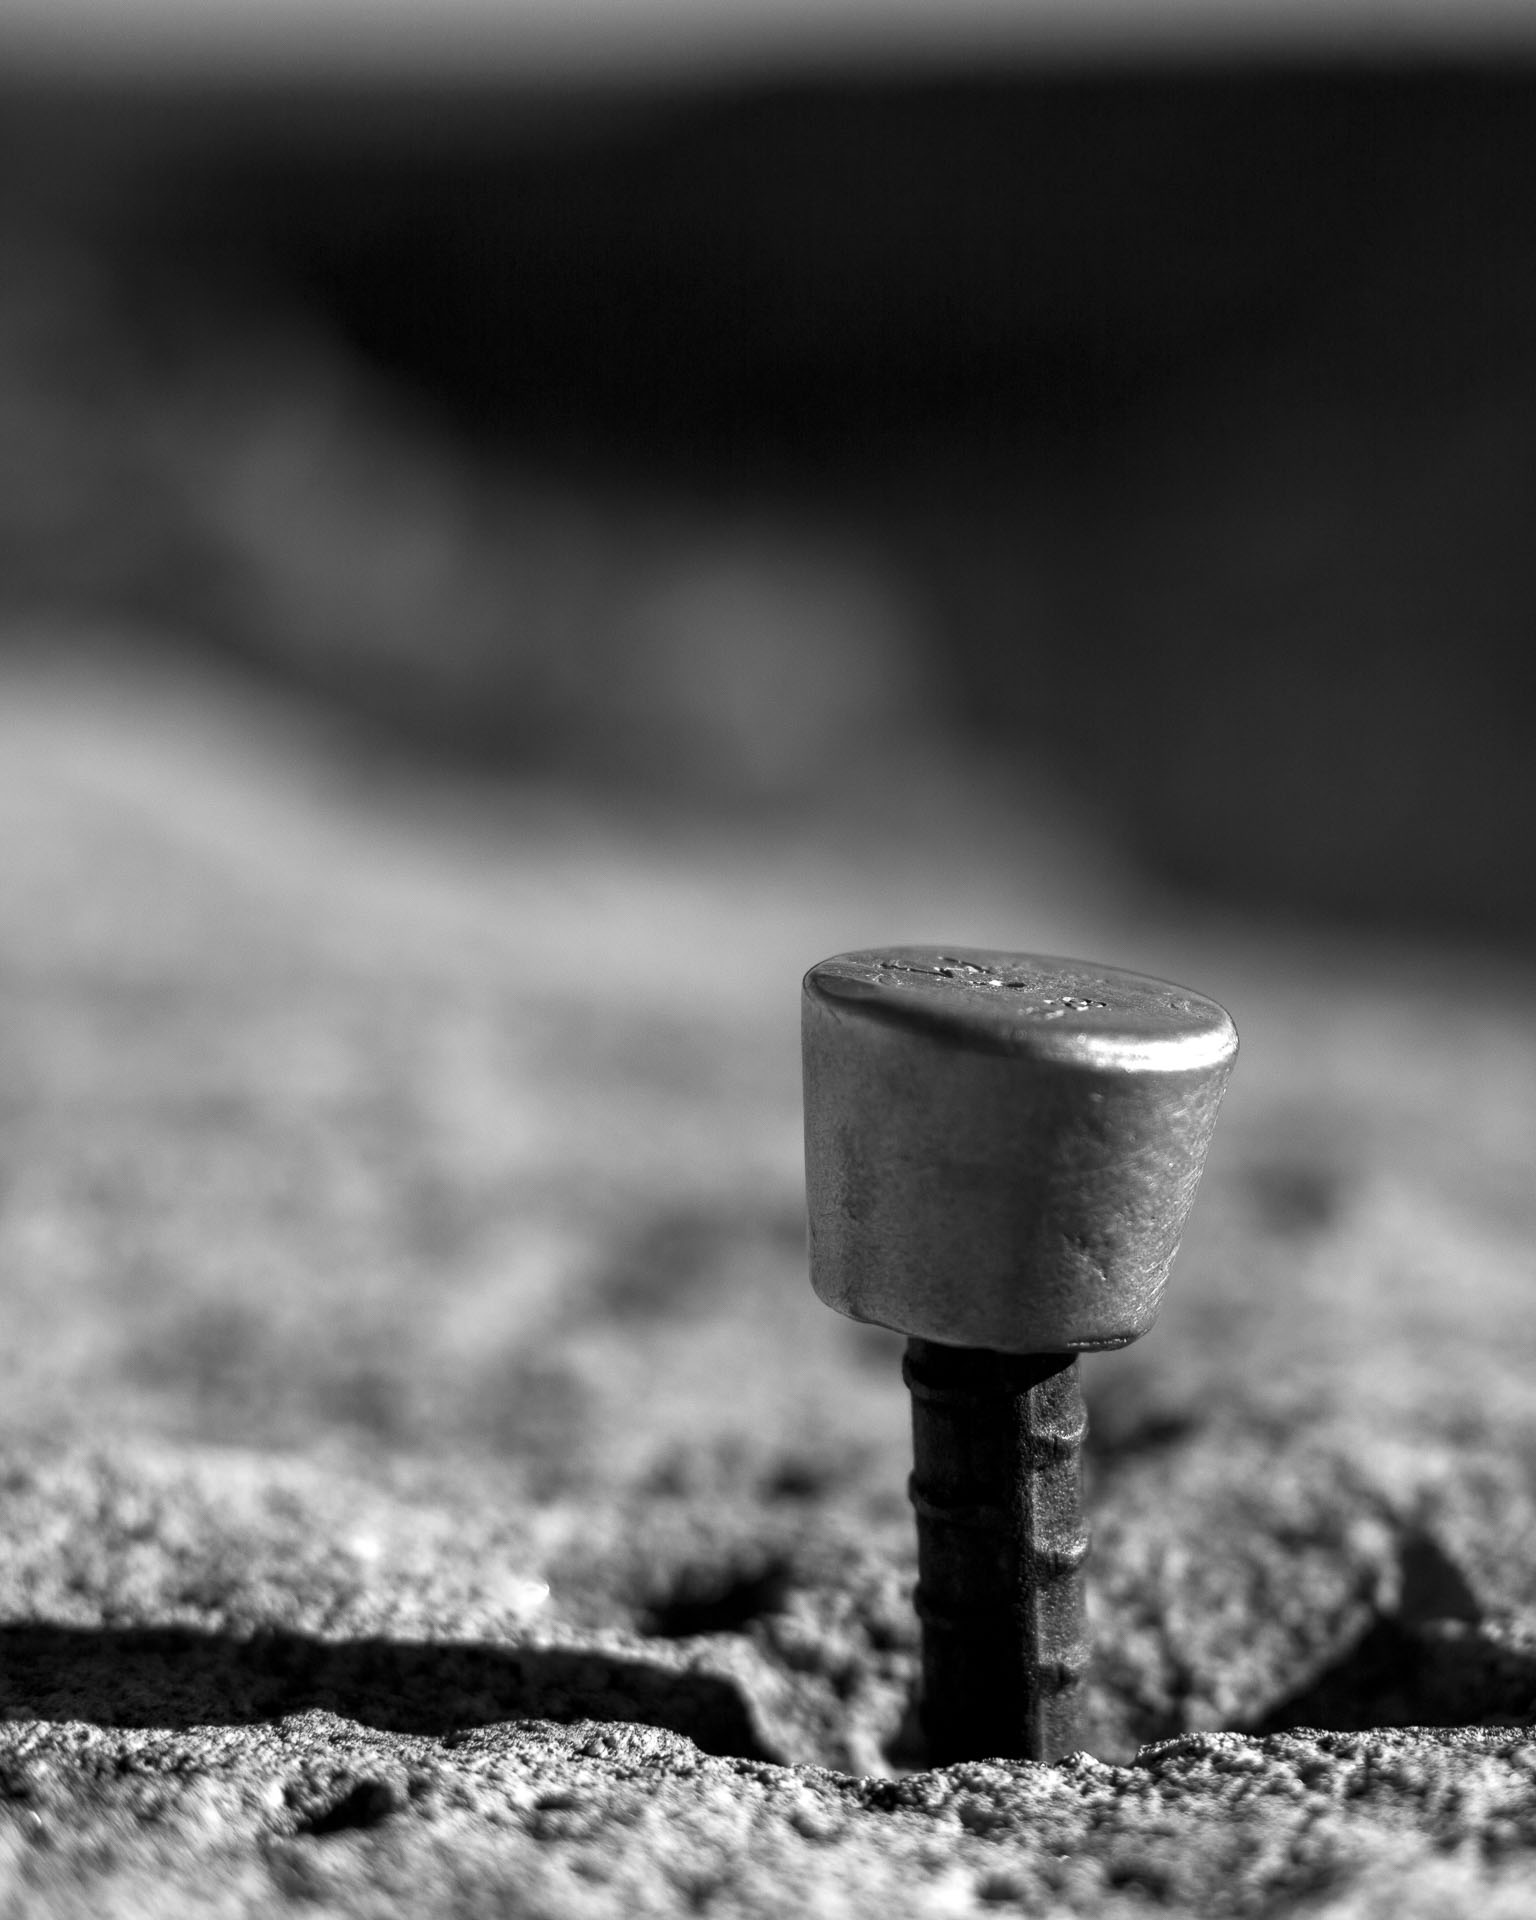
[(429, 1484)]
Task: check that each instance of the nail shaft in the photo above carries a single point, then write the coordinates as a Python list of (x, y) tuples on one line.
[(997, 1490)]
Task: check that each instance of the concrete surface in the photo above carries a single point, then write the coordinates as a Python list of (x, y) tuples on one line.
[(429, 1484)]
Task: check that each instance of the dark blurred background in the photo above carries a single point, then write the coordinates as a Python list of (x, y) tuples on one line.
[(1158, 427)]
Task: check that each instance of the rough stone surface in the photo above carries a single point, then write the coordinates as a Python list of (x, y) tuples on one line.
[(428, 1484)]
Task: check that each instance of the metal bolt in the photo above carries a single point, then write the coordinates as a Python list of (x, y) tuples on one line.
[(1000, 1154)]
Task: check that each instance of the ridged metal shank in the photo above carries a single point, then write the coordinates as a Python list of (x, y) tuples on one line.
[(997, 1490)]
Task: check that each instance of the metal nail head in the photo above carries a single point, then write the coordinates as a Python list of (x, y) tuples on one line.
[(1001, 1150)]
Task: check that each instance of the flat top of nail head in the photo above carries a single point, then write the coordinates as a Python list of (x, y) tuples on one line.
[(1030, 1005)]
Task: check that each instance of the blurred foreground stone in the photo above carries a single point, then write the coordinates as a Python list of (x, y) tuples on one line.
[(427, 1482)]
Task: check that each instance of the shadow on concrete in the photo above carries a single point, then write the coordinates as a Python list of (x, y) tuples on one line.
[(175, 1677), (1429, 1662)]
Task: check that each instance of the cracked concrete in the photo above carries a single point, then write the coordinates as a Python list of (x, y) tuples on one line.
[(428, 1484)]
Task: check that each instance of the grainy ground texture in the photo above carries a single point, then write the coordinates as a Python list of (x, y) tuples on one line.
[(428, 1484)]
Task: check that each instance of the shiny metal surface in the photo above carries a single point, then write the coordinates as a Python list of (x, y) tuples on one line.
[(1001, 1149)]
